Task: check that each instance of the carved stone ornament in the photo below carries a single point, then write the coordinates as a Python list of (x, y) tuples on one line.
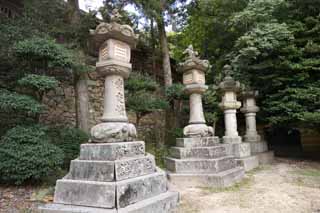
[(113, 132), (198, 130), (193, 61), (113, 30)]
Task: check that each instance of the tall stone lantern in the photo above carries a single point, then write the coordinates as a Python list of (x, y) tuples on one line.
[(113, 174), (114, 42), (199, 159), (229, 104), (250, 109), (259, 147), (194, 80), (242, 151)]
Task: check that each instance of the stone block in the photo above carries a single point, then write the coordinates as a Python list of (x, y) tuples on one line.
[(265, 157), (199, 166), (198, 152), (61, 208), (102, 171), (163, 203), (106, 171), (85, 193), (252, 138), (135, 167), (140, 188), (218, 180), (239, 150), (258, 147), (229, 139), (248, 163), (111, 151), (197, 142)]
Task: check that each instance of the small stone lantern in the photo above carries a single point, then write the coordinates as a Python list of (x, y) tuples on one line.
[(194, 80), (229, 104), (114, 42), (250, 109)]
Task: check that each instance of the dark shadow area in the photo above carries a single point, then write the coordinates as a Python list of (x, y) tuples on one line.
[(288, 142)]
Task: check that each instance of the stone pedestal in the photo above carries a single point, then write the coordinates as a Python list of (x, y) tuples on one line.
[(113, 173), (199, 159), (259, 148), (202, 162)]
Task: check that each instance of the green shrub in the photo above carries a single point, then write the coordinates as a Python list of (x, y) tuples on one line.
[(38, 82), (26, 154), (69, 140)]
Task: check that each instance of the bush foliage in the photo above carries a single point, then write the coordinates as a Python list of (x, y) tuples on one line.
[(69, 140), (26, 154)]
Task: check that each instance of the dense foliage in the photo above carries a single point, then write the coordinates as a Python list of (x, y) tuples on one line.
[(273, 47), (26, 154), (142, 96), (68, 140)]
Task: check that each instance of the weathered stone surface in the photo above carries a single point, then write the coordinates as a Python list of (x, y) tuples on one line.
[(85, 193), (248, 163), (111, 151), (218, 180), (113, 132), (137, 189), (163, 203), (198, 152), (258, 147), (239, 150), (92, 170), (231, 139), (135, 167), (197, 130), (61, 208), (265, 157), (197, 142), (198, 166)]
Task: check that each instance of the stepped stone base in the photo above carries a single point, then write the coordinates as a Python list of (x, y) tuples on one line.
[(265, 157), (200, 165), (203, 162), (219, 180), (163, 203), (258, 147), (231, 139), (248, 163), (239, 150), (113, 177)]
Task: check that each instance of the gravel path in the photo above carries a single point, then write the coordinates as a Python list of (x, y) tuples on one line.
[(287, 186)]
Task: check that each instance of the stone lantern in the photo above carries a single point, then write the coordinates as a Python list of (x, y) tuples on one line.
[(229, 104), (114, 42), (112, 175), (259, 147), (250, 109), (194, 80), (242, 151), (199, 159)]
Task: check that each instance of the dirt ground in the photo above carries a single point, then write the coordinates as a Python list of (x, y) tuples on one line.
[(287, 186)]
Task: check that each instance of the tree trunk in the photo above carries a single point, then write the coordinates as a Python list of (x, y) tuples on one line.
[(165, 53), (80, 84), (153, 46), (82, 102)]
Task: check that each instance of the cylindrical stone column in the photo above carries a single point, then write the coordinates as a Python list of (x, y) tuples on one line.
[(114, 101), (194, 80), (196, 109), (230, 120), (229, 104), (250, 109)]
